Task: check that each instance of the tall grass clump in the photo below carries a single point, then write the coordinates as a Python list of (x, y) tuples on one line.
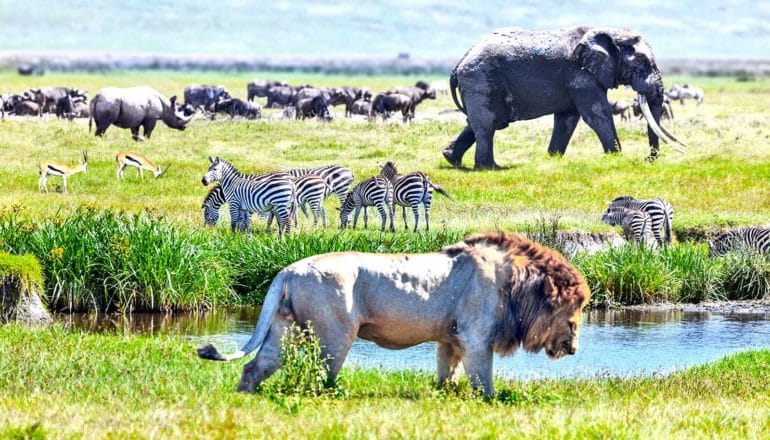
[(745, 275), (103, 261), (303, 372), (259, 258)]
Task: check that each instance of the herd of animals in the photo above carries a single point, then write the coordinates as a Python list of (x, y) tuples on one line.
[(128, 107)]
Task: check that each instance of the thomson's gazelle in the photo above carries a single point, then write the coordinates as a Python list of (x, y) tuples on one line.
[(138, 160), (50, 168)]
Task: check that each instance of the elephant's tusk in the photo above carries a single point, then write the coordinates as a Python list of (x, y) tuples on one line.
[(654, 125), (668, 133)]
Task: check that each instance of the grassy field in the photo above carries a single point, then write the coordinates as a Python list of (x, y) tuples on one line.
[(722, 181), (61, 385)]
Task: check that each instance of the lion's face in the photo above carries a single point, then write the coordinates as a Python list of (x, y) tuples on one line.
[(556, 333)]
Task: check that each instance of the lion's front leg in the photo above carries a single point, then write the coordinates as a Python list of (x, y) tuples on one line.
[(447, 360), (478, 367)]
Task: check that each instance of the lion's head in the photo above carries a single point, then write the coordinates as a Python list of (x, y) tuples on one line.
[(542, 296)]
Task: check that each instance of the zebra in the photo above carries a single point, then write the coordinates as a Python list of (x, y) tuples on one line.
[(340, 178), (374, 191), (753, 239), (660, 211), (246, 194), (636, 224), (411, 190), (211, 204)]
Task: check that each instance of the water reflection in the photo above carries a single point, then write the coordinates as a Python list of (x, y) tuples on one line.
[(614, 342)]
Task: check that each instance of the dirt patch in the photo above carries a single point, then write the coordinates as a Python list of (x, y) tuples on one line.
[(751, 307)]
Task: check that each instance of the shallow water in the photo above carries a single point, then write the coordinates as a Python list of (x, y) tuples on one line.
[(616, 343)]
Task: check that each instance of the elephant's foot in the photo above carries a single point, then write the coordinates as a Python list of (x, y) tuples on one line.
[(138, 138), (451, 157), (487, 166)]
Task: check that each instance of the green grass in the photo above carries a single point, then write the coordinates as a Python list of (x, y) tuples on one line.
[(23, 269), (103, 260), (722, 182), (61, 384)]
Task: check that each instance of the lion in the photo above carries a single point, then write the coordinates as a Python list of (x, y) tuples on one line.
[(489, 293)]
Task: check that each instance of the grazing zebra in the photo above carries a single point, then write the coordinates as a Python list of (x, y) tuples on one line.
[(339, 177), (310, 190), (753, 239), (636, 224), (374, 191), (411, 190), (246, 194), (661, 214)]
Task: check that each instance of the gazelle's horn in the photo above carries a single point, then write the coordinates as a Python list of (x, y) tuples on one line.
[(163, 172)]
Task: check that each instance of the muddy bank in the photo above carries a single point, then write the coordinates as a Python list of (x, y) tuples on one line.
[(402, 64)]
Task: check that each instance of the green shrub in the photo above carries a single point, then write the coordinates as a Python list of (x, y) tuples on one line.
[(745, 275), (304, 371)]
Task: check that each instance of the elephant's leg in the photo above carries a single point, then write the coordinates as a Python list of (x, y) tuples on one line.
[(478, 367), (447, 361), (485, 155), (564, 124), (454, 152), (596, 112), (267, 361)]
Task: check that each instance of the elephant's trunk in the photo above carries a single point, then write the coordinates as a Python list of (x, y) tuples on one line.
[(651, 103)]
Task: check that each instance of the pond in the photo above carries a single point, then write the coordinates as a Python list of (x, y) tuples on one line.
[(614, 342)]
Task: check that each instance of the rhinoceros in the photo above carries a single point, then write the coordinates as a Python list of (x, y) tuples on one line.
[(134, 107)]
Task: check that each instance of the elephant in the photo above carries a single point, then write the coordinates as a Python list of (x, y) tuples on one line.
[(134, 107), (384, 103), (515, 74), (259, 88)]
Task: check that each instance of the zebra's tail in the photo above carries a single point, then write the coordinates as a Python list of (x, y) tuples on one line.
[(272, 302), (440, 190), (667, 228)]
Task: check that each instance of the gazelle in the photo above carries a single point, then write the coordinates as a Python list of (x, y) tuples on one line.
[(138, 160), (50, 168)]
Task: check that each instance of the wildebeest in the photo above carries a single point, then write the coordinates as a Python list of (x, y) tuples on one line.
[(47, 97), (621, 108), (417, 93), (236, 107), (310, 92), (134, 107), (347, 96), (204, 96), (384, 103), (314, 107), (80, 110), (280, 96), (361, 107), (26, 107), (259, 88)]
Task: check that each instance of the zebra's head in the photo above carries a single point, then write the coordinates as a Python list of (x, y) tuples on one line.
[(346, 209), (613, 216), (388, 170), (211, 204), (210, 215), (215, 171)]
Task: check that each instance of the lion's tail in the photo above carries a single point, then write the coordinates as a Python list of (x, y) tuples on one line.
[(270, 307)]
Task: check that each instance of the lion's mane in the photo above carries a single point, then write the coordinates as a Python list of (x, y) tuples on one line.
[(538, 282)]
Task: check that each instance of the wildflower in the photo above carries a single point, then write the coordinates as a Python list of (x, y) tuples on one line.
[(56, 253)]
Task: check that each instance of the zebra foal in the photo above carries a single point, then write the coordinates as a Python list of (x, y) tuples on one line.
[(636, 224), (411, 190), (660, 211)]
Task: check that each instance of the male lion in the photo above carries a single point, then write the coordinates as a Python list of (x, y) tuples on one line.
[(489, 293)]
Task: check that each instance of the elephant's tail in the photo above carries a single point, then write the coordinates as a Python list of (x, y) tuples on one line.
[(453, 88)]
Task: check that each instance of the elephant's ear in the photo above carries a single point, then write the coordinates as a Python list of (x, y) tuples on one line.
[(597, 53)]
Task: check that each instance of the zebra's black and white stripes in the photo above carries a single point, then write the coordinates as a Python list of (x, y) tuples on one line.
[(338, 177), (636, 224), (411, 190), (375, 191), (245, 195), (660, 211), (752, 239)]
